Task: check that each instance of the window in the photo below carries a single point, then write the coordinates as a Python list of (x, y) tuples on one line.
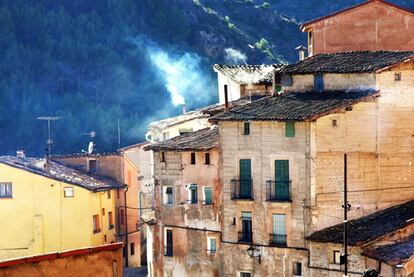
[(246, 234), (122, 217), (290, 129), (207, 158), (245, 274), (397, 76), (193, 158), (281, 187), (118, 194), (168, 195), (334, 122), (246, 128), (193, 193), (96, 224), (108, 193), (211, 245), (92, 166), (245, 186), (132, 249), (318, 82), (183, 131), (103, 211), (208, 196), (278, 237), (6, 190), (162, 156), (310, 44), (68, 192), (110, 220), (297, 269), (336, 257), (168, 242), (165, 135)]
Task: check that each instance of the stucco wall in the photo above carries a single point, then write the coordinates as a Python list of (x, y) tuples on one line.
[(39, 219), (374, 26)]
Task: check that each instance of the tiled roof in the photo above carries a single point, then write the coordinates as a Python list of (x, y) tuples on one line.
[(369, 227), (201, 140), (81, 155), (218, 108), (296, 106), (348, 62), (245, 73), (60, 172), (393, 254)]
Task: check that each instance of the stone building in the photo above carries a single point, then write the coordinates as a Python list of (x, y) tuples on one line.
[(372, 25), (186, 235)]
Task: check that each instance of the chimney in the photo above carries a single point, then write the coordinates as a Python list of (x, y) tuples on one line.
[(20, 154), (301, 49), (184, 106), (226, 98)]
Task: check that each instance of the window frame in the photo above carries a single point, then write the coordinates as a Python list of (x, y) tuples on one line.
[(191, 189), (166, 242), (204, 195), (397, 76), (294, 271), (95, 168), (166, 195), (96, 224), (110, 220), (132, 249), (8, 193), (334, 260), (246, 128), (193, 158), (290, 129), (162, 158), (241, 274), (207, 157), (66, 189), (209, 249)]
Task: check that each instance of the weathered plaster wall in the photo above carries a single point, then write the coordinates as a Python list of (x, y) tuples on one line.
[(105, 263), (190, 256), (374, 26), (263, 146), (233, 88)]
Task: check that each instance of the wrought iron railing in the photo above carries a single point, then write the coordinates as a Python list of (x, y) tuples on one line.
[(242, 189), (278, 191), (277, 240), (245, 237)]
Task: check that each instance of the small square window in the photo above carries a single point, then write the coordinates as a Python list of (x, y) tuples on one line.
[(207, 158), (68, 192), (334, 122), (297, 269), (211, 245), (6, 190), (397, 76), (92, 166), (290, 129), (245, 274), (246, 128), (336, 257), (193, 158)]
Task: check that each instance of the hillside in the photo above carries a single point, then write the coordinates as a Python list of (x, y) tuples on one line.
[(99, 61)]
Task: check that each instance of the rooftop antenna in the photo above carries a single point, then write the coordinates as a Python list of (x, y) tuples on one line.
[(91, 144), (49, 142)]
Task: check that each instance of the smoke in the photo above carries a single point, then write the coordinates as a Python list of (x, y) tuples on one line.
[(187, 77), (234, 56)]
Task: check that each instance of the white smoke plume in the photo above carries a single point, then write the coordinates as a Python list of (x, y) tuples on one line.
[(234, 56)]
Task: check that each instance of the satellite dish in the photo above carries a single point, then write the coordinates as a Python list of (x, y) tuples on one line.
[(90, 147)]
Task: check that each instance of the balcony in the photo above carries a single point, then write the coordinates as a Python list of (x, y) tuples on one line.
[(168, 251), (241, 189), (277, 240), (245, 237), (278, 191)]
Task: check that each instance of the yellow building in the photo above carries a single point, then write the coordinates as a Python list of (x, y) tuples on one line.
[(52, 207)]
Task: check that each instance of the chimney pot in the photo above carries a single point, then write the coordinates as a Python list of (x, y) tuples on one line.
[(20, 154), (184, 106)]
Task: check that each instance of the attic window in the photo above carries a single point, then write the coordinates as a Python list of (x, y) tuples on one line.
[(193, 158), (397, 76), (318, 82), (334, 122), (92, 165), (68, 192)]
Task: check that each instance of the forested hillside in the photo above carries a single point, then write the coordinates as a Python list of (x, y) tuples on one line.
[(99, 61)]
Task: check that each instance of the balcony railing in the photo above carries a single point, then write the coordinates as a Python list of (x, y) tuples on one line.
[(168, 251), (278, 191), (245, 237), (242, 189), (277, 240)]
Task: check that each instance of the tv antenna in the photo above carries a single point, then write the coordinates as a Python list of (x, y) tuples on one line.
[(49, 120), (91, 144)]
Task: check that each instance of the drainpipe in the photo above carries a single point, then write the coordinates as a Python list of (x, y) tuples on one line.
[(126, 227)]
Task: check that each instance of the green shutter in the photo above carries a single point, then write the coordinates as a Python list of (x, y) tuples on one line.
[(282, 179), (245, 179), (290, 129), (208, 195)]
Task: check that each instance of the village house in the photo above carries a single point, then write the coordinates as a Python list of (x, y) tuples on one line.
[(118, 167), (372, 25), (185, 237), (50, 207)]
